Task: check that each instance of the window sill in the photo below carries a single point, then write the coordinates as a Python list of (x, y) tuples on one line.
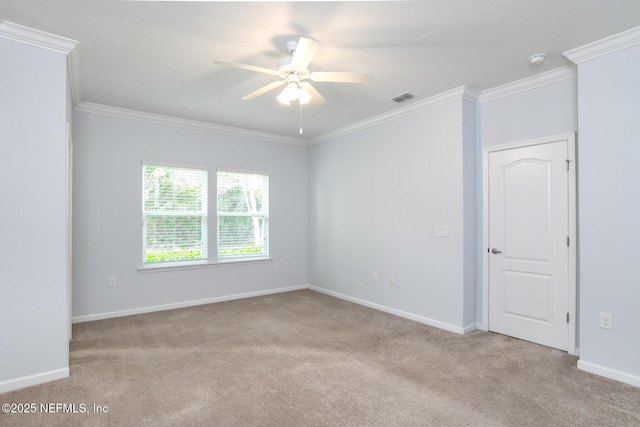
[(191, 265)]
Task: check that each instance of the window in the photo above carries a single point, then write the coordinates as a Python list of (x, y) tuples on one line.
[(174, 211), (243, 215)]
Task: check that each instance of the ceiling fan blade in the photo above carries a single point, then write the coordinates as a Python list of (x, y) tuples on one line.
[(263, 90), (247, 67), (316, 98), (304, 53), (340, 77)]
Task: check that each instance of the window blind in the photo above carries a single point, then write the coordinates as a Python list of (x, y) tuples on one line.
[(174, 213), (243, 215)]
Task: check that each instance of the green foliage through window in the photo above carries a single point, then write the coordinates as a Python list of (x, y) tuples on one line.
[(174, 213), (161, 256), (243, 215)]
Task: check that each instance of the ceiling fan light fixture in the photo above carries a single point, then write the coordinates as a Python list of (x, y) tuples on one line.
[(283, 99), (303, 96), (290, 93), (293, 92)]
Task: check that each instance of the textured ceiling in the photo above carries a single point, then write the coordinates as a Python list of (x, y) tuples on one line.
[(158, 57)]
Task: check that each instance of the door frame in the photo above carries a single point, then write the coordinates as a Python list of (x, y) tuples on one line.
[(69, 219), (573, 238)]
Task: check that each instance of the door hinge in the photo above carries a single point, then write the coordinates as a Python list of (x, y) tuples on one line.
[(568, 161), (568, 241), (567, 317)]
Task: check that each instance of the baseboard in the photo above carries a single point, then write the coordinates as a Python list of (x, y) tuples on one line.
[(470, 328), (613, 374), (22, 382), (421, 319), (425, 320), (191, 303)]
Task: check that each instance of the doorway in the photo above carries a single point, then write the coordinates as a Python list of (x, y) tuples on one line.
[(529, 285)]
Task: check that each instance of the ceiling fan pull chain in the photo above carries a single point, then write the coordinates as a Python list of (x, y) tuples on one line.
[(300, 103)]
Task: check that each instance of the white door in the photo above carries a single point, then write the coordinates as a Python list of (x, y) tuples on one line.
[(528, 243)]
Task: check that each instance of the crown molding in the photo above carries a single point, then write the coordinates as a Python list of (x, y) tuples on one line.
[(605, 46), (30, 36), (460, 93), (528, 83), (53, 42), (124, 113), (75, 77)]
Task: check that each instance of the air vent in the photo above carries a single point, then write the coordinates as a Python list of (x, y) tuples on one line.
[(403, 97)]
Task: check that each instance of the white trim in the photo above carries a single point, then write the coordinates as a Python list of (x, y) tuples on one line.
[(613, 374), (424, 320), (570, 138), (462, 92), (605, 46), (28, 381), (420, 319), (176, 165), (469, 328), (484, 322), (33, 37), (124, 113), (191, 265), (191, 303), (573, 244), (75, 77), (529, 142), (240, 170), (69, 229), (528, 83)]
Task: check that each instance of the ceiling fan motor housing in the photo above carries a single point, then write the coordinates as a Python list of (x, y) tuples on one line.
[(292, 46), (285, 69)]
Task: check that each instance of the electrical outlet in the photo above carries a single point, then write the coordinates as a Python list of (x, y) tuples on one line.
[(112, 282), (392, 281), (441, 231), (276, 266), (375, 277), (606, 321)]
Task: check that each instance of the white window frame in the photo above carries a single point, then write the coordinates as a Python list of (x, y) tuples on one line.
[(204, 214), (264, 215)]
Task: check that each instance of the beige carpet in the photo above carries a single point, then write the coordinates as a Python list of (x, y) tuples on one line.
[(307, 359)]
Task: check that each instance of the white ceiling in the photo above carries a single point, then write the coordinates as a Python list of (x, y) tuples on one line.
[(158, 56)]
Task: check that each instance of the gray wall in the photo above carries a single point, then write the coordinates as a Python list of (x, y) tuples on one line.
[(107, 230), (375, 197), (609, 177), (535, 113), (470, 224), (33, 231)]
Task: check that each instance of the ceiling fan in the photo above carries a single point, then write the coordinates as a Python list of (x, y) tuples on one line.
[(294, 70)]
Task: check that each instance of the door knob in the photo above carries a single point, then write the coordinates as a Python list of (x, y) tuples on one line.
[(495, 251)]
